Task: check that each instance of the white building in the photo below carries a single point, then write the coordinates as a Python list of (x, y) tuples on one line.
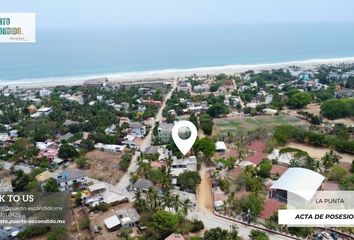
[(129, 141), (220, 146), (67, 178), (43, 111), (179, 166), (110, 147), (300, 182)]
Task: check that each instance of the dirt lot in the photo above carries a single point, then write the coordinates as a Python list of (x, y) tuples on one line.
[(98, 219), (105, 166), (318, 152), (205, 199)]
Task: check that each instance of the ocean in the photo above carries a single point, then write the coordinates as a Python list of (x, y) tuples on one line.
[(66, 53)]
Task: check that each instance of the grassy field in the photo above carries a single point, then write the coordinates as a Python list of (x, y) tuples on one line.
[(240, 125)]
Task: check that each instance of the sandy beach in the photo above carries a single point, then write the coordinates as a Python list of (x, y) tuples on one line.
[(169, 74)]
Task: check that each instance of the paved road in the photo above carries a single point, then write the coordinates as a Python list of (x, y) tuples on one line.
[(124, 181), (212, 221)]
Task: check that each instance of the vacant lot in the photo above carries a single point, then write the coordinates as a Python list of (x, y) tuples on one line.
[(237, 125), (105, 166), (319, 152)]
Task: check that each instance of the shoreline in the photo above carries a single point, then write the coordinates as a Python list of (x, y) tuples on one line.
[(170, 74)]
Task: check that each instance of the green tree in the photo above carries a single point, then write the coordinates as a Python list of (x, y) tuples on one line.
[(334, 109), (206, 146), (194, 120), (189, 180), (347, 183), (165, 222), (300, 231), (258, 235), (337, 173), (217, 110), (125, 162), (67, 151), (251, 205), (215, 234), (82, 162), (299, 100), (264, 168), (206, 123), (329, 159), (51, 186), (21, 181)]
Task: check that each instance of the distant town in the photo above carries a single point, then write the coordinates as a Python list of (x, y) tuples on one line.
[(109, 146)]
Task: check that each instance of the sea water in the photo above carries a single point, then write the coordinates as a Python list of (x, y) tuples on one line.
[(90, 52)]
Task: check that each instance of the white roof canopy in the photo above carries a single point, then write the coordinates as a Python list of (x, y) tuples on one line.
[(112, 222), (300, 181)]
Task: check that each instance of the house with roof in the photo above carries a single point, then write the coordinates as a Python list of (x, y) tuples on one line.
[(123, 120), (143, 185), (220, 146), (280, 158), (257, 148), (128, 217), (41, 112), (179, 166), (70, 177), (175, 236), (152, 102), (137, 129), (110, 147), (112, 223), (184, 86), (65, 137), (111, 129), (201, 88), (48, 153), (164, 132), (129, 141), (5, 185)]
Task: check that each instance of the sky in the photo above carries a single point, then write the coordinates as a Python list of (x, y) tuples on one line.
[(126, 13)]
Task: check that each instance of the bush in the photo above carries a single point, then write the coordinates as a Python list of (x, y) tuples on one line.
[(82, 162), (197, 225), (101, 207), (84, 222), (125, 162), (336, 108), (32, 231), (258, 235), (337, 173)]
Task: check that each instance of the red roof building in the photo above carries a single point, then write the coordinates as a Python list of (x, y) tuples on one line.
[(258, 148), (151, 102), (270, 206), (157, 165), (278, 169), (175, 236)]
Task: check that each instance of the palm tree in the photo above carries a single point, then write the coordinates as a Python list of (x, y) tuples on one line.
[(168, 199), (176, 203), (330, 159), (165, 182), (186, 205), (139, 202), (152, 198)]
